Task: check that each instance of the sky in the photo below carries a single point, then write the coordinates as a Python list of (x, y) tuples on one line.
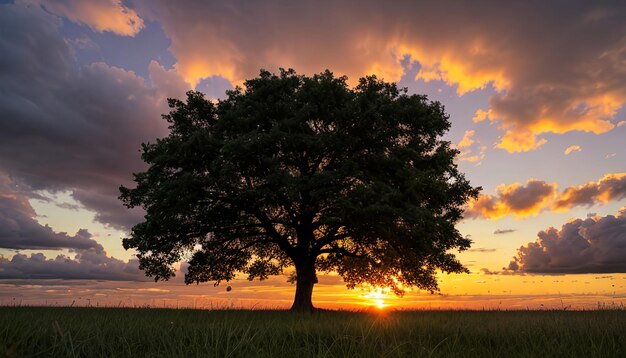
[(535, 90)]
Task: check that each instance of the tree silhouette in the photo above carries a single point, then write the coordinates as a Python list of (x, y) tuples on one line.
[(304, 172)]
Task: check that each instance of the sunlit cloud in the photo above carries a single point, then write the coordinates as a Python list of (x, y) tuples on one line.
[(520, 200), (572, 148), (514, 141), (470, 149), (467, 140), (537, 196), (610, 187), (480, 115), (99, 15), (578, 88)]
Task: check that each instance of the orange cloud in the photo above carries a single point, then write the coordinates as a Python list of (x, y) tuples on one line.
[(537, 196), (471, 150), (480, 116), (537, 90), (520, 141), (467, 140), (610, 187), (103, 15), (572, 148), (458, 72), (516, 199)]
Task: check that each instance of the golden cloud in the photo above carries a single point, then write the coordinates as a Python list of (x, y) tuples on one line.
[(516, 199), (536, 90), (471, 150), (520, 141), (536, 196), (610, 187), (572, 148), (467, 140)]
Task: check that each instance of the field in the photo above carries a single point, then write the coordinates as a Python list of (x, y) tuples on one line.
[(139, 332)]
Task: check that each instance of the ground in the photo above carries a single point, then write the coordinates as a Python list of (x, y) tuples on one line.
[(145, 332)]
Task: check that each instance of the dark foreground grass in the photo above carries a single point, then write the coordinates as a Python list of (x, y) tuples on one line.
[(134, 332)]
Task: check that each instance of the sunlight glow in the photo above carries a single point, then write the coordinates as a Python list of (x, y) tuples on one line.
[(376, 297)]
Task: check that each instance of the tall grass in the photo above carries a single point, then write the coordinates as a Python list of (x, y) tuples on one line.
[(128, 332)]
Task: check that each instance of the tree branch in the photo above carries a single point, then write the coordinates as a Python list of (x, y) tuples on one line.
[(279, 239), (329, 238), (340, 251), (235, 227)]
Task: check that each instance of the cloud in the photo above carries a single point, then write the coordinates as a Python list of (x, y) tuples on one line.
[(572, 148), (76, 130), (467, 140), (610, 187), (92, 264), (169, 82), (107, 207), (486, 271), (537, 90), (82, 126), (481, 249), (593, 245), (516, 199), (470, 149), (99, 15), (537, 195), (503, 231), (20, 230), (480, 115), (83, 42)]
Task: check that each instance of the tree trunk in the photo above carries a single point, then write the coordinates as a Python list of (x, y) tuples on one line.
[(306, 278)]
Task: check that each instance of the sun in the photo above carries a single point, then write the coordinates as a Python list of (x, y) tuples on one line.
[(376, 297)]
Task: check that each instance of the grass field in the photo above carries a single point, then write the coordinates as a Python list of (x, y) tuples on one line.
[(137, 332)]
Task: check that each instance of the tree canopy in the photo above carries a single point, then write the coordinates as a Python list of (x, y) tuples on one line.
[(304, 172)]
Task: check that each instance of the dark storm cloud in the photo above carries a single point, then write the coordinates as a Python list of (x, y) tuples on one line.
[(557, 66), (20, 230), (593, 245), (72, 129), (92, 264)]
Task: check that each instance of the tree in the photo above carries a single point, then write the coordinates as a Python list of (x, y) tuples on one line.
[(304, 172)]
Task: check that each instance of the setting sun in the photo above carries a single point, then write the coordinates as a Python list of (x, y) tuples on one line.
[(376, 297)]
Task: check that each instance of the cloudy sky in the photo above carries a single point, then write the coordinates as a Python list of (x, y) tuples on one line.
[(536, 93)]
